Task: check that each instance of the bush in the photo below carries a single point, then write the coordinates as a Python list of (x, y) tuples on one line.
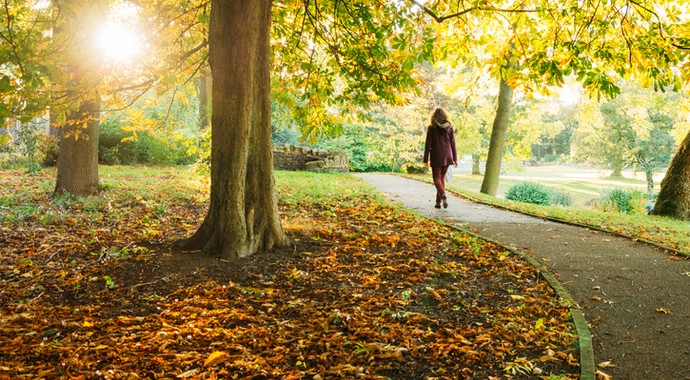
[(529, 192), (561, 198), (6, 143), (415, 168), (48, 148), (625, 201), (160, 148)]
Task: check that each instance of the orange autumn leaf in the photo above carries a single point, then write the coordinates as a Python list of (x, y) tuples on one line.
[(215, 357)]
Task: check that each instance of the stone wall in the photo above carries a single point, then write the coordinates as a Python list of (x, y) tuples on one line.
[(290, 157)]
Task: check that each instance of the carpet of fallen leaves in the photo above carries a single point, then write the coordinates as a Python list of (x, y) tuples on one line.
[(91, 289)]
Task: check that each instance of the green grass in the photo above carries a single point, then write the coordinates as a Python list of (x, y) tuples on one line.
[(662, 230), (27, 196), (324, 188), (583, 185), (30, 196)]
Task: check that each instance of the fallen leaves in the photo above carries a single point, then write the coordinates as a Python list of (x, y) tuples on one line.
[(215, 358), (368, 291)]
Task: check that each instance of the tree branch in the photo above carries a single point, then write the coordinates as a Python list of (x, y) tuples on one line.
[(438, 18), (465, 11)]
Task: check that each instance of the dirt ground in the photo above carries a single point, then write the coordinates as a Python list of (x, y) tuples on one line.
[(636, 298)]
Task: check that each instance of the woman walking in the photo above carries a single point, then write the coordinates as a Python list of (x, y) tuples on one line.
[(439, 150)]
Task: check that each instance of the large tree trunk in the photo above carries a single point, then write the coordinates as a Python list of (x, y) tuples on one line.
[(492, 171), (77, 165), (674, 196), (243, 214)]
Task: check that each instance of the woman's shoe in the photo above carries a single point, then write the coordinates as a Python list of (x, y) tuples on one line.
[(438, 205), (445, 203)]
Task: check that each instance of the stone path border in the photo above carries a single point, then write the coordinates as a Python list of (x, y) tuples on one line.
[(554, 219), (584, 336)]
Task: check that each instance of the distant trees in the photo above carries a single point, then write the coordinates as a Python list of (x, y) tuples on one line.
[(632, 130), (536, 44)]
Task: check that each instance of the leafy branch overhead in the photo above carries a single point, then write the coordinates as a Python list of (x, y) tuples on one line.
[(597, 42)]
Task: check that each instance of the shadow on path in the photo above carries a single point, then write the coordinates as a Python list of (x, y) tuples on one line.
[(636, 298)]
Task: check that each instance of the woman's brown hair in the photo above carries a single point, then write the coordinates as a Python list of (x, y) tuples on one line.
[(439, 117)]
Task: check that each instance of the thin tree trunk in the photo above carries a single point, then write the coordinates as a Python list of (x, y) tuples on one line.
[(243, 213), (475, 165), (674, 196), (492, 171), (204, 90), (649, 174)]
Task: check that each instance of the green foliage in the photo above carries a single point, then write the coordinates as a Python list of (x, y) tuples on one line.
[(328, 60), (5, 142), (415, 168), (284, 128), (625, 201), (48, 148), (24, 60), (535, 193), (529, 192), (156, 148), (27, 139), (358, 143), (633, 130), (561, 198)]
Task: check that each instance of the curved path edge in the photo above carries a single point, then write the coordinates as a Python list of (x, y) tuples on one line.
[(584, 336), (562, 221)]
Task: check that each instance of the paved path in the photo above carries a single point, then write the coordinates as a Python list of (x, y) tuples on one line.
[(635, 298)]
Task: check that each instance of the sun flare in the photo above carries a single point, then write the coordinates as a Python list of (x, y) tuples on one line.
[(117, 42)]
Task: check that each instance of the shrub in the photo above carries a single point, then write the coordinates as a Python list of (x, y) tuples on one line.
[(561, 198), (161, 148), (5, 142), (625, 201), (529, 192), (48, 148), (415, 168)]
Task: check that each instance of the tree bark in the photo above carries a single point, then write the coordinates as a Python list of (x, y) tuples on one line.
[(492, 171), (204, 89), (476, 165), (649, 175), (617, 169), (674, 196), (77, 165), (243, 213)]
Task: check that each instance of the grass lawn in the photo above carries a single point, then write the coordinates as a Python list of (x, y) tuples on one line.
[(583, 185)]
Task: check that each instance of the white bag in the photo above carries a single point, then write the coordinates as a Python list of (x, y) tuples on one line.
[(449, 175)]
